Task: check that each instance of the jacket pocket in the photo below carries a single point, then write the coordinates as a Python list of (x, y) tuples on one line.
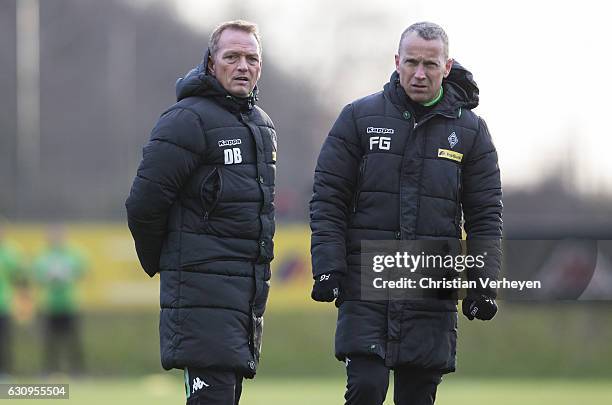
[(360, 176), (210, 192)]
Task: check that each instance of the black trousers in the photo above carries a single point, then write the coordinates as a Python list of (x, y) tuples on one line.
[(212, 387), (5, 344), (368, 381), (62, 339)]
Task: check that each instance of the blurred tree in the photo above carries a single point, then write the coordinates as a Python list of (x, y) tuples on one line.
[(8, 108), (107, 72)]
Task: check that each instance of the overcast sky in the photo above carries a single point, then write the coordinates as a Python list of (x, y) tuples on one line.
[(541, 66)]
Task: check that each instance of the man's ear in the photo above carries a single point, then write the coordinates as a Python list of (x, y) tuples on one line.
[(448, 67), (397, 63), (210, 66)]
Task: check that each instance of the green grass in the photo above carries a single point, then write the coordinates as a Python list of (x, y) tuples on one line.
[(561, 340), (455, 390)]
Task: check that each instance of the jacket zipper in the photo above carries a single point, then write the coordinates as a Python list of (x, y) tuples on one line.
[(430, 116), (414, 128), (362, 167), (458, 209)]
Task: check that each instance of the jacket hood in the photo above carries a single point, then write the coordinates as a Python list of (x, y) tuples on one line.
[(464, 85), (197, 82), (460, 89)]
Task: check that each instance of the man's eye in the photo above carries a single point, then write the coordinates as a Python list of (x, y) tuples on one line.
[(231, 58)]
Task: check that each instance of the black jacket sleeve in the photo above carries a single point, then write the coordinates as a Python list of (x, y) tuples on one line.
[(334, 184), (482, 207), (175, 149)]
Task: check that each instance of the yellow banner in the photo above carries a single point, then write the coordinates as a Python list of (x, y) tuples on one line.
[(115, 279)]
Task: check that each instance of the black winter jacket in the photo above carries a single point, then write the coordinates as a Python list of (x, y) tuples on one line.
[(381, 176), (201, 213)]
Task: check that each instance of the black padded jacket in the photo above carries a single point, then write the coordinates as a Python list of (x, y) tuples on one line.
[(201, 213), (382, 176)]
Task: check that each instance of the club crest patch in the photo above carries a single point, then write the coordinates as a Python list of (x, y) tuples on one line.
[(453, 140)]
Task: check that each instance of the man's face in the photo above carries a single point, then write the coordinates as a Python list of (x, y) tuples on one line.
[(421, 65), (237, 62)]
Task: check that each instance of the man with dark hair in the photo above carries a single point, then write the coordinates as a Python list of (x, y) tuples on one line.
[(202, 216), (405, 164)]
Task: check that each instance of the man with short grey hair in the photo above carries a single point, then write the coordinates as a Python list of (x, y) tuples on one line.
[(404, 164), (202, 216), (428, 31)]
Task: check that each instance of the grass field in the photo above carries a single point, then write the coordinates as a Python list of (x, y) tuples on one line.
[(523, 341), (167, 389), (527, 355)]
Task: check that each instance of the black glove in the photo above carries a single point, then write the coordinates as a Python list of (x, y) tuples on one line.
[(481, 307), (326, 287)]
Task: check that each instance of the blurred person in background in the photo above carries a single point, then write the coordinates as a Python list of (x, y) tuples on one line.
[(10, 269), (202, 216), (403, 164), (56, 270)]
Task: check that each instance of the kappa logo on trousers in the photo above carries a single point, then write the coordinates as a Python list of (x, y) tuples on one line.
[(198, 385)]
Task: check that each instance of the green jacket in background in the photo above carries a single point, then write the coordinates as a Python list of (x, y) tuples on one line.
[(10, 264), (57, 270)]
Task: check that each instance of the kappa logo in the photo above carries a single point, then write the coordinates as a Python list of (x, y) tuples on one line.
[(372, 130), (229, 142), (198, 385), (453, 140)]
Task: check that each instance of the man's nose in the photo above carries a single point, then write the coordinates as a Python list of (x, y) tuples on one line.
[(420, 72), (242, 64)]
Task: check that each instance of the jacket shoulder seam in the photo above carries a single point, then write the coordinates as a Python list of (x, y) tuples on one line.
[(174, 144), (140, 176)]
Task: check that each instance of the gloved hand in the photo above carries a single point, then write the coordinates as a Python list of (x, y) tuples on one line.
[(479, 307), (326, 287)]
